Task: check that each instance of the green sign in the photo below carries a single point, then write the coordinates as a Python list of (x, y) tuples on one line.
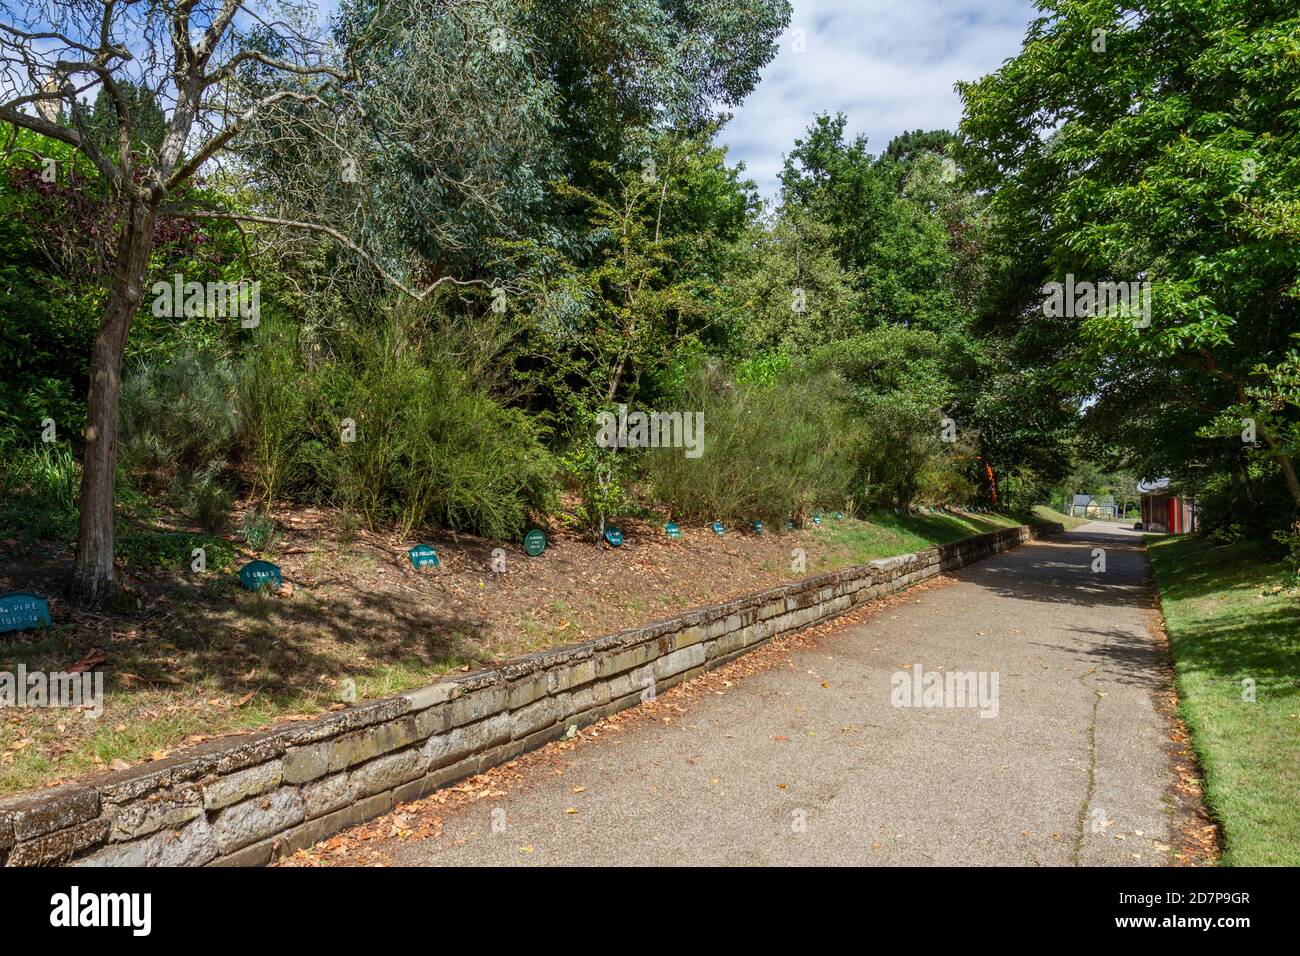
[(839, 515), (758, 527), (674, 532), (817, 518), (718, 529), (20, 610), (423, 554), (534, 543), (613, 536), (258, 574), (789, 524)]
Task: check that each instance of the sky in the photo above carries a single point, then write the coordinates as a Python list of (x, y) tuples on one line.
[(888, 65)]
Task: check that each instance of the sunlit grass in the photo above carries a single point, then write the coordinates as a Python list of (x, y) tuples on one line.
[(1229, 621)]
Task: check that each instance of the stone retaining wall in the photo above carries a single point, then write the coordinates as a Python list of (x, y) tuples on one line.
[(243, 801)]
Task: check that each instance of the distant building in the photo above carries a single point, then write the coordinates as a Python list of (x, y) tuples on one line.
[(1164, 510), (1090, 506)]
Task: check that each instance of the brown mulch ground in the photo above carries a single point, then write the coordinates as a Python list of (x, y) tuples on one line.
[(188, 657)]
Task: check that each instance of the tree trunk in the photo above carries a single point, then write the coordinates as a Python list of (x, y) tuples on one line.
[(1288, 474), (92, 580)]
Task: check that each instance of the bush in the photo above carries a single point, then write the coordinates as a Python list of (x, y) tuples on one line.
[(211, 504), (258, 530), (178, 419), (430, 449), (771, 449), (49, 473), (603, 479), (898, 386), (1249, 503), (40, 488), (272, 391)]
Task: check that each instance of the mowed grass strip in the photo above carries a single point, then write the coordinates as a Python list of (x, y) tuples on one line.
[(885, 534), (1229, 620)]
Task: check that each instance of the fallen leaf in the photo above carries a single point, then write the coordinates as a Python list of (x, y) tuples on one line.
[(93, 657)]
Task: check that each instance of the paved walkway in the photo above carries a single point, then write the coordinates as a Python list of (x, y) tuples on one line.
[(813, 764)]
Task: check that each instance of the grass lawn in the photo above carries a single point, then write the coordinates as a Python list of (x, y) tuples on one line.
[(885, 534), (192, 656), (1228, 622)]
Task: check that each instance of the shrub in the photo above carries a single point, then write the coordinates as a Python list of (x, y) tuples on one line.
[(898, 385), (258, 529), (1249, 503), (39, 491), (603, 480), (48, 472), (770, 449), (178, 419), (273, 391), (211, 504), (40, 487), (431, 449)]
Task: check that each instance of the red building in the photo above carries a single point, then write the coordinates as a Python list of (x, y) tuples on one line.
[(1165, 511)]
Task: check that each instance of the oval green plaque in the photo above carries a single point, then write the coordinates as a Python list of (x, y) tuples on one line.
[(672, 530), (789, 524), (817, 518), (258, 574), (20, 610), (718, 529), (422, 555), (614, 536), (758, 527), (534, 543)]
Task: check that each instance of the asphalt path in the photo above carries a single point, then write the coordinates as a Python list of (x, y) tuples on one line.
[(830, 758)]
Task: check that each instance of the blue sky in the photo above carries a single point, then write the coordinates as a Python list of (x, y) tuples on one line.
[(888, 65)]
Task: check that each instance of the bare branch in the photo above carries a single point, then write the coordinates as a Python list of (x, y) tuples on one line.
[(334, 234)]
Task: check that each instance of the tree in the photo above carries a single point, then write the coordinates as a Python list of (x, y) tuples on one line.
[(1157, 145), (787, 287), (229, 75)]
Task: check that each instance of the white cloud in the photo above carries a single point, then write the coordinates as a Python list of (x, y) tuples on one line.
[(888, 65)]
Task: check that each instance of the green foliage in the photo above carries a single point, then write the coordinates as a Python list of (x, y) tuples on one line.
[(211, 505), (147, 123), (258, 529), (170, 550), (430, 449), (603, 479), (272, 403), (788, 286), (47, 323), (1169, 158), (770, 450), (39, 491), (899, 390), (178, 419), (50, 473)]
